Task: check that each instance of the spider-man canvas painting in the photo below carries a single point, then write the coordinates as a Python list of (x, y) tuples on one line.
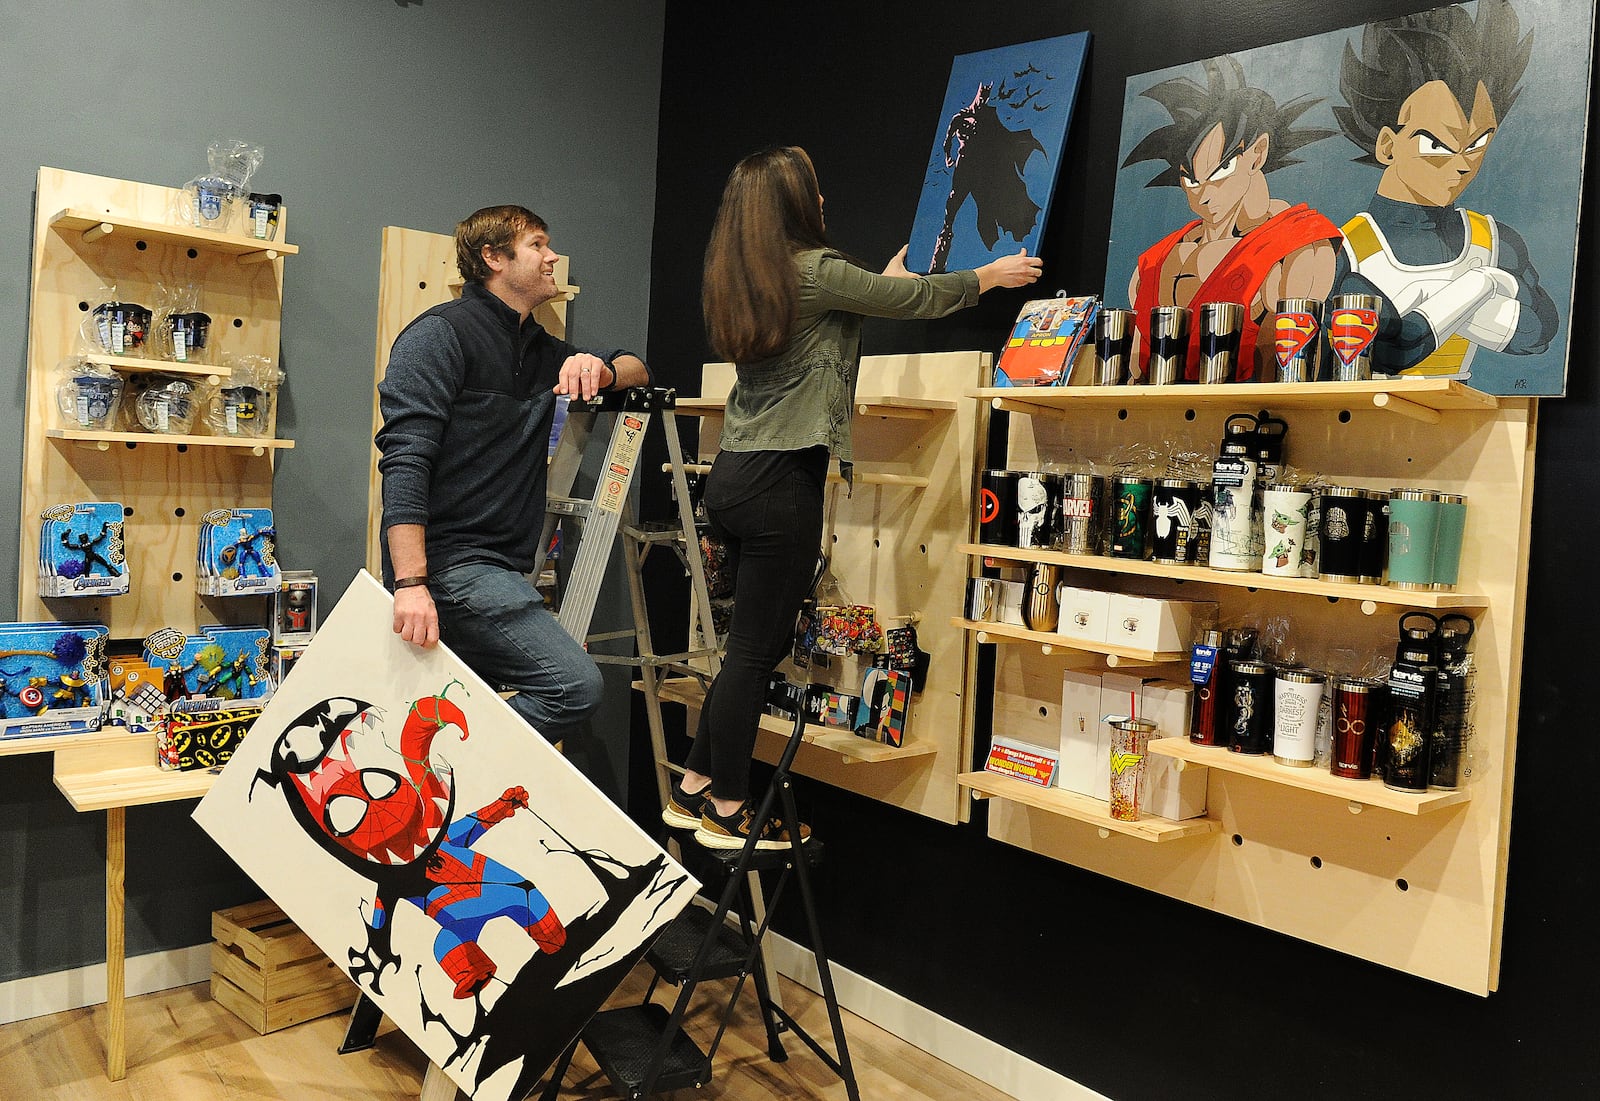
[(437, 849)]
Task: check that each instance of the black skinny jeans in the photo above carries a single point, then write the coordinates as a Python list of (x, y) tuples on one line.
[(773, 539)]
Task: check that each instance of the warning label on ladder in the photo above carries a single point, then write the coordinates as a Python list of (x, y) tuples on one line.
[(619, 464)]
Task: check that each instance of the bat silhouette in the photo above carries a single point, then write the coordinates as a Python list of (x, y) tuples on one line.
[(1032, 68)]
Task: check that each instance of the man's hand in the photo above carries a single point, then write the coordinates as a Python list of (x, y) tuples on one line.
[(415, 618), (583, 376)]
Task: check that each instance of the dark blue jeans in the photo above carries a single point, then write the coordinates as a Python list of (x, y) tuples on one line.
[(773, 539), (496, 622)]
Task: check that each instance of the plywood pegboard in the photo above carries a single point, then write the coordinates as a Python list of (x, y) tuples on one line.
[(892, 545), (1423, 893), (417, 271), (165, 487)]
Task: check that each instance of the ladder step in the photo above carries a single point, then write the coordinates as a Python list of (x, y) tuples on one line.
[(624, 1040), (674, 950)]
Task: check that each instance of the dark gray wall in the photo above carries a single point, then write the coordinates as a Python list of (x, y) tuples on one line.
[(1014, 945), (371, 113)]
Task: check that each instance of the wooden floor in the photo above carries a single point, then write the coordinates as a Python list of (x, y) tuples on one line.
[(182, 1046)]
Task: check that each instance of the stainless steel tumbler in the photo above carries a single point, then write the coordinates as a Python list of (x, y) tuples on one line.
[(1297, 339), (1113, 347), (1169, 345), (1352, 327), (1220, 326)]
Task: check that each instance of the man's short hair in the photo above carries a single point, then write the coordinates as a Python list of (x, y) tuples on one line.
[(1244, 112), (1398, 56), (495, 226)]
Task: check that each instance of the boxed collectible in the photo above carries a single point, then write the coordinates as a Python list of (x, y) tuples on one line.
[(236, 552), (52, 678), (1045, 341), (294, 608), (81, 551)]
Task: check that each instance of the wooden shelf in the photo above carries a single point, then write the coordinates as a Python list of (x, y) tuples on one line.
[(165, 366), (1070, 804), (1359, 793), (866, 406), (1371, 597), (104, 440), (862, 477), (1116, 656), (1421, 399), (136, 785), (687, 691), (93, 226), (49, 743)]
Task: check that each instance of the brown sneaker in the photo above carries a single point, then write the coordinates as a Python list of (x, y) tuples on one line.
[(730, 831), (683, 810)]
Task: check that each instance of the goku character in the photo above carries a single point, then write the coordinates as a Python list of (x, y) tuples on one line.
[(1243, 245), (1425, 98)]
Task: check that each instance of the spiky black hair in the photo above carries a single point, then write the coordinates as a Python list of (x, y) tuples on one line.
[(1398, 56), (1227, 100)]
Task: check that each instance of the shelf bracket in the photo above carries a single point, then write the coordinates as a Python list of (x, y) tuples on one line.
[(95, 232), (1408, 409), (261, 257), (1355, 807)]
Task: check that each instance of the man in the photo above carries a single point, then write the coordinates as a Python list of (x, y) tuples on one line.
[(467, 403), (1244, 245), (1425, 101)]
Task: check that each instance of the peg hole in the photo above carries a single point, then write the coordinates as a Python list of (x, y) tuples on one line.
[(1344, 416), (1402, 884), (1044, 712), (140, 245), (177, 577), (1188, 414), (422, 285), (1316, 861), (238, 323), (178, 512), (83, 307), (194, 253), (1238, 840), (126, 512), (1122, 414)]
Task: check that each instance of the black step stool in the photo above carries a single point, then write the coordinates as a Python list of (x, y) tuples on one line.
[(643, 1049)]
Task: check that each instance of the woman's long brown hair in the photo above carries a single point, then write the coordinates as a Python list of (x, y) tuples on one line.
[(771, 209)]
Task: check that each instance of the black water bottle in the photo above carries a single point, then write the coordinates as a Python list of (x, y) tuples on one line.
[(1413, 705), (1456, 683)]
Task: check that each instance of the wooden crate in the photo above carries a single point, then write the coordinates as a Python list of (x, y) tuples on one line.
[(267, 971)]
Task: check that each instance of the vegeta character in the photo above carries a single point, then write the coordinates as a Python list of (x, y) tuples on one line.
[(388, 813), (1425, 98), (1244, 245)]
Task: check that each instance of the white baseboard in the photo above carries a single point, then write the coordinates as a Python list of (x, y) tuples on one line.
[(59, 991), (982, 1058)]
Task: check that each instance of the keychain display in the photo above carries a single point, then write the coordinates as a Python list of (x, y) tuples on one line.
[(237, 553), (81, 552)]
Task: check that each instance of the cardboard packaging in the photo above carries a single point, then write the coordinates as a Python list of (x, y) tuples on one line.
[(1161, 626), (1167, 791), (1084, 613), (1084, 744)]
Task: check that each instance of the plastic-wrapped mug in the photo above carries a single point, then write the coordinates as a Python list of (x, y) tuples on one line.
[(239, 411), (187, 334), (88, 400), (1284, 509), (121, 328), (167, 406)]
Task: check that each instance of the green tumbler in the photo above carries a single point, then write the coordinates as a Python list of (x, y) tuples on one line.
[(1413, 535), (1447, 551)]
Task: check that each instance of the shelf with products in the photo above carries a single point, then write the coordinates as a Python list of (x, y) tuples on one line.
[(887, 406), (1370, 597), (1420, 889), (211, 372), (689, 692), (92, 235), (92, 226), (1082, 808), (1419, 399), (102, 441), (911, 430), (1116, 656), (1357, 793)]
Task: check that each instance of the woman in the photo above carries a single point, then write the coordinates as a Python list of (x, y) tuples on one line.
[(786, 310)]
